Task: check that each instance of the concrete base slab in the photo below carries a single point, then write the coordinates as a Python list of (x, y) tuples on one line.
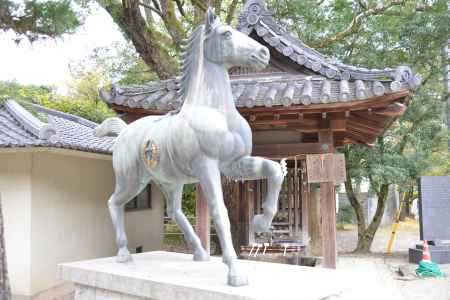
[(175, 276)]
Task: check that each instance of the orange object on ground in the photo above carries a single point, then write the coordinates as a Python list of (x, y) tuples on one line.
[(426, 256)]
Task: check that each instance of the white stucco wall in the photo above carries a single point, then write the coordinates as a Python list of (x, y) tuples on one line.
[(146, 227), (69, 215), (15, 190), (56, 211)]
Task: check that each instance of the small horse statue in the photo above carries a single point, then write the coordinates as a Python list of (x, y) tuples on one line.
[(205, 138)]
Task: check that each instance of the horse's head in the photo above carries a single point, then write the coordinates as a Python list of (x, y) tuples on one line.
[(229, 47)]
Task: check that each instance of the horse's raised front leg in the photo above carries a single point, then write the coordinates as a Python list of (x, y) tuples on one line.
[(209, 176), (173, 194), (251, 168)]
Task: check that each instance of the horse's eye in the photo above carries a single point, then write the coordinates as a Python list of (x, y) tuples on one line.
[(227, 34)]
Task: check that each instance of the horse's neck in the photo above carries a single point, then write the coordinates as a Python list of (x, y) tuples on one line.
[(210, 88)]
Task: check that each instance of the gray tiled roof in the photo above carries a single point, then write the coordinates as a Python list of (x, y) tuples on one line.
[(256, 17), (266, 91), (325, 80), (18, 128)]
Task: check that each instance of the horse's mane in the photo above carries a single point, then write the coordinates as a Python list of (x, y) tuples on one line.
[(191, 60)]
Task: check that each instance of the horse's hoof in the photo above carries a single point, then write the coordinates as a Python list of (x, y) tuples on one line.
[(123, 256), (201, 255), (237, 280), (261, 224)]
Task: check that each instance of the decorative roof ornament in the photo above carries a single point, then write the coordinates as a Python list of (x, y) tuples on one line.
[(255, 16), (41, 130), (19, 128), (331, 82)]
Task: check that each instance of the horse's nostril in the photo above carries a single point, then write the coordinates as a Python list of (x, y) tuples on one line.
[(264, 53)]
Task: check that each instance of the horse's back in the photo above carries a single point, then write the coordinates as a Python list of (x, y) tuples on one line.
[(126, 152)]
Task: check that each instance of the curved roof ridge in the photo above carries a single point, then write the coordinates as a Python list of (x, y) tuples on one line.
[(255, 16), (43, 131), (67, 116)]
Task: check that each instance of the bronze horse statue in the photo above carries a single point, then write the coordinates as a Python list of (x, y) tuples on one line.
[(205, 138)]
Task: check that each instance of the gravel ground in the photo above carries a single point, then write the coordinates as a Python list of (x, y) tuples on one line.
[(407, 236), (411, 287)]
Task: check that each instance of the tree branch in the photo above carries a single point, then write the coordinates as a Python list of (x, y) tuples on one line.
[(199, 4), (231, 11), (173, 25), (144, 38), (151, 8), (156, 4), (355, 24), (217, 5), (180, 7)]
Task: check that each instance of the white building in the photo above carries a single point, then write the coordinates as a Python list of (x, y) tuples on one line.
[(55, 179)]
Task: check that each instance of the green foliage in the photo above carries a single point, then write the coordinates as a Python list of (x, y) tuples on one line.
[(118, 63), (35, 19), (95, 112), (44, 96), (189, 197)]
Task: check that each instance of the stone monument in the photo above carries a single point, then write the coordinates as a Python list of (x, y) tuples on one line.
[(434, 216), (206, 138)]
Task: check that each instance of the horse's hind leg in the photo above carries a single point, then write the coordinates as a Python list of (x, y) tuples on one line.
[(126, 189), (173, 194)]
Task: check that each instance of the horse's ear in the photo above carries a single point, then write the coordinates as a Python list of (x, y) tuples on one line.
[(211, 19)]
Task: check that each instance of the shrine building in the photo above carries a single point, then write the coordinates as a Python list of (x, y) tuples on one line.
[(302, 107)]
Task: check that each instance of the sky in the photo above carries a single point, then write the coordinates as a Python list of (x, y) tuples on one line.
[(46, 62)]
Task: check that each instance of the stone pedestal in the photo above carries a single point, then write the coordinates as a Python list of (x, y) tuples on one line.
[(175, 276)]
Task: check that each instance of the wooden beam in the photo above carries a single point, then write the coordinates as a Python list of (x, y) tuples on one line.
[(394, 110), (356, 135), (364, 128), (368, 120), (202, 219), (287, 150)]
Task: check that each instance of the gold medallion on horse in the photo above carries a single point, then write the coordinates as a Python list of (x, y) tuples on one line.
[(150, 154)]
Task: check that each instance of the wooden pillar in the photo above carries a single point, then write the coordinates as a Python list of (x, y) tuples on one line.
[(315, 246), (328, 224), (202, 219), (328, 208), (305, 203), (246, 213)]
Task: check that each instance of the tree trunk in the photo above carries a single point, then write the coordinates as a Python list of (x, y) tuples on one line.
[(5, 291), (354, 202), (365, 239), (144, 37), (406, 199)]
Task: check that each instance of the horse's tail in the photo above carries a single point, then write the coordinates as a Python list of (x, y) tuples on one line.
[(110, 127)]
